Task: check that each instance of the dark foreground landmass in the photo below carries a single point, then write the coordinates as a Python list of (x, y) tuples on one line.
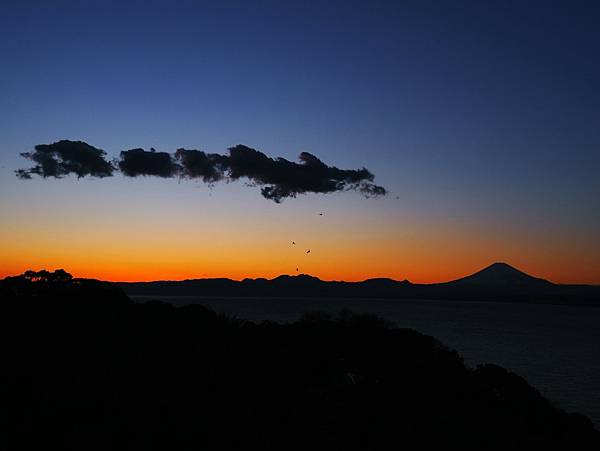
[(86, 368), (498, 282)]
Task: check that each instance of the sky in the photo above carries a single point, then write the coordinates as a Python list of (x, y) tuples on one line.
[(481, 119)]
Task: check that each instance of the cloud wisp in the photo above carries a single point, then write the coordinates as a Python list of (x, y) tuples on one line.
[(66, 157), (136, 162), (278, 177)]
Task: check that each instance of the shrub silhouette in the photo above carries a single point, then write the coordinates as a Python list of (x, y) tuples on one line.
[(60, 275)]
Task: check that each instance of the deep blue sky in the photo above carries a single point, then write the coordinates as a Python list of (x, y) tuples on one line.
[(485, 112)]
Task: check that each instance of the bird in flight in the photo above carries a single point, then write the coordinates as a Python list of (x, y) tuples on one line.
[(293, 242), (296, 269), (308, 251), (320, 214)]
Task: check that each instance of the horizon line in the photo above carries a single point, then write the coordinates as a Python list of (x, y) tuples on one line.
[(239, 280)]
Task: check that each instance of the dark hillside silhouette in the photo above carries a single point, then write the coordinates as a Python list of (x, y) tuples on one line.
[(86, 368), (498, 282)]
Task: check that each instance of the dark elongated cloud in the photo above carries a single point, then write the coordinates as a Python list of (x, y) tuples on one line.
[(210, 167), (279, 178), (136, 162), (67, 157), (284, 178)]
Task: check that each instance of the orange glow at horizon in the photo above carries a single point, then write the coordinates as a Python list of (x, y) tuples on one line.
[(121, 235), (146, 273), (419, 254)]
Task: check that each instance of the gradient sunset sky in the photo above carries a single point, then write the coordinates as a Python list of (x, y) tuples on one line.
[(482, 119)]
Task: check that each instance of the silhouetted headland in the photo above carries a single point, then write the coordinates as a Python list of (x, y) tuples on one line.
[(87, 368), (498, 282)]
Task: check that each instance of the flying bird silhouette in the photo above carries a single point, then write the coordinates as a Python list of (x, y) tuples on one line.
[(308, 251), (293, 242)]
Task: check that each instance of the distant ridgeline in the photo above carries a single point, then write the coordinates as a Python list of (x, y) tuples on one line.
[(498, 282), (86, 368)]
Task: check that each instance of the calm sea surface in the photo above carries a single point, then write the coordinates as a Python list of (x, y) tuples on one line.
[(556, 348)]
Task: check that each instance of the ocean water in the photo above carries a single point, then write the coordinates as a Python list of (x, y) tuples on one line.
[(555, 348)]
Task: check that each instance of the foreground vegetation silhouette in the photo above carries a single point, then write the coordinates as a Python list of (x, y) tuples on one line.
[(86, 368)]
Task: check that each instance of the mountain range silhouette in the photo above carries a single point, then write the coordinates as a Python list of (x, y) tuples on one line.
[(498, 282)]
